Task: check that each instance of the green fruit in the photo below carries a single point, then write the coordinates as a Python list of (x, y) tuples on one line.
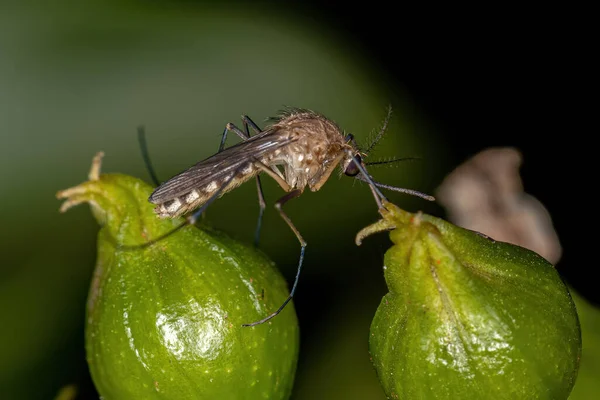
[(165, 321), (469, 318), (587, 386)]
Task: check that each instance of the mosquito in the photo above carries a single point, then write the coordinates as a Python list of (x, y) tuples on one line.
[(299, 149)]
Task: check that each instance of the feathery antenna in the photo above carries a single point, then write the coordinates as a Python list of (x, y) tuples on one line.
[(393, 160), (381, 131)]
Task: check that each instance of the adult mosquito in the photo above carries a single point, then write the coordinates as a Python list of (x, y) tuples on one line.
[(299, 148)]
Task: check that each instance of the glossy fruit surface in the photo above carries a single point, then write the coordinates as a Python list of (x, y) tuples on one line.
[(470, 318), (164, 321)]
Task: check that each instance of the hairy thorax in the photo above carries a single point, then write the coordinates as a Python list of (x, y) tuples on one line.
[(312, 155)]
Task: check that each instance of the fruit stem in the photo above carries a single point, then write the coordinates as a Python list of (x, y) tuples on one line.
[(393, 216)]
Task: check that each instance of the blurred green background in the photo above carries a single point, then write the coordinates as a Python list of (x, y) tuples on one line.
[(79, 77)]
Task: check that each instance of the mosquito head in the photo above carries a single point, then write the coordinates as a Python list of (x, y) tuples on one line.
[(355, 167), (350, 167)]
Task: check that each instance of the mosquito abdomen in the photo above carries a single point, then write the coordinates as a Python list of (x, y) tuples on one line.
[(187, 202), (181, 204)]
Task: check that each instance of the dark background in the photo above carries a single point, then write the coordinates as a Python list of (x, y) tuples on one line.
[(506, 76), (460, 80)]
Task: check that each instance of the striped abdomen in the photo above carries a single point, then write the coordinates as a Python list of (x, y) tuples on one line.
[(171, 207)]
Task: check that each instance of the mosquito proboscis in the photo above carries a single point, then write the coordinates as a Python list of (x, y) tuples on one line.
[(299, 149)]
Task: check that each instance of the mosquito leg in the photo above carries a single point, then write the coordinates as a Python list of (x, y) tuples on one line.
[(245, 135), (278, 205), (229, 127), (261, 210), (247, 122), (146, 155), (236, 130), (279, 179)]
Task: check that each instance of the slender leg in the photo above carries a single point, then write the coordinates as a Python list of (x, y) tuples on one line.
[(259, 190), (278, 205), (236, 130), (284, 185), (245, 135), (261, 196), (247, 121), (146, 155), (261, 210)]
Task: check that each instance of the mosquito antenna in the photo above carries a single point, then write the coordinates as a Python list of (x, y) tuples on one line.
[(145, 155), (381, 162), (396, 189), (381, 131)]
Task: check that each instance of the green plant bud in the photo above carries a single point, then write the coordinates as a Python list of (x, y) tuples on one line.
[(469, 318), (165, 321)]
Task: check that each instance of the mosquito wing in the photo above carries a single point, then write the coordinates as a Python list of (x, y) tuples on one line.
[(219, 166)]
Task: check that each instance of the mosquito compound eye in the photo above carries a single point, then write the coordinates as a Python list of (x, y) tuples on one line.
[(352, 168)]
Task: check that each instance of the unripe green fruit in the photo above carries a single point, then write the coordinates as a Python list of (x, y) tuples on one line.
[(469, 318), (165, 321)]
